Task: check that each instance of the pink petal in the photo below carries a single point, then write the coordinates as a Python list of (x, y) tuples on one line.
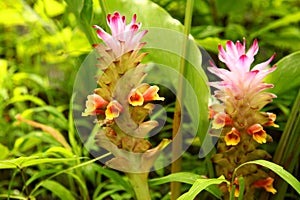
[(243, 64), (263, 65), (253, 49), (240, 48), (231, 49), (222, 73), (263, 73), (101, 33)]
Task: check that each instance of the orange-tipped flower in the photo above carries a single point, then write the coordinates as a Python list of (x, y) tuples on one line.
[(94, 105), (271, 122), (258, 133), (233, 137), (136, 98), (113, 110), (144, 93), (221, 119), (151, 94), (266, 184)]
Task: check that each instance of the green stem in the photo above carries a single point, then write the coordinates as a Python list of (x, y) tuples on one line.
[(105, 11), (176, 132), (139, 182), (287, 152), (280, 154)]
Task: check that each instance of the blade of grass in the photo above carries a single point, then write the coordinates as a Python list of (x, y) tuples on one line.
[(287, 152)]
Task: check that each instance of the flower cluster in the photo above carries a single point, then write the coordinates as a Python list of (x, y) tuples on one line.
[(239, 115), (121, 102), (241, 93)]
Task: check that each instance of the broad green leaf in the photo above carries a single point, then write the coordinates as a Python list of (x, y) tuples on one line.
[(59, 190), (200, 185), (149, 13), (286, 77), (185, 177), (285, 175)]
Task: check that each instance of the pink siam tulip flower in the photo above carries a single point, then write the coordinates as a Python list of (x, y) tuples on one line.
[(123, 38), (239, 81), (241, 90)]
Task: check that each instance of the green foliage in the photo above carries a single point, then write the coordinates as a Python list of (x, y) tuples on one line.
[(44, 42), (285, 175)]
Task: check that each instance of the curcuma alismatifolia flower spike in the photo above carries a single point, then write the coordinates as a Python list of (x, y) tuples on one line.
[(239, 114), (121, 102)]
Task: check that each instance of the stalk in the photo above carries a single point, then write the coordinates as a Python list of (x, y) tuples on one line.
[(288, 151), (139, 182), (177, 144)]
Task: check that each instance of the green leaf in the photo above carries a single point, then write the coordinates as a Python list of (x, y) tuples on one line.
[(22, 162), (15, 163), (285, 175), (149, 13), (186, 177), (4, 151), (21, 98), (54, 8), (211, 43), (241, 188), (183, 177), (50, 109), (58, 189), (39, 161), (288, 19), (286, 77), (200, 185), (40, 175)]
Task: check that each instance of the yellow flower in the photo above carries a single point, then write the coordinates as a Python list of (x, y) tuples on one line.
[(233, 137), (258, 133), (113, 110)]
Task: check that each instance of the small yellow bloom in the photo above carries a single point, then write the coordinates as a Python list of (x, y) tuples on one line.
[(136, 98), (113, 110), (258, 133), (233, 137), (272, 118), (144, 93)]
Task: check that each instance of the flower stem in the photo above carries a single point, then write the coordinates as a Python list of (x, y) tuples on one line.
[(139, 182), (176, 133)]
